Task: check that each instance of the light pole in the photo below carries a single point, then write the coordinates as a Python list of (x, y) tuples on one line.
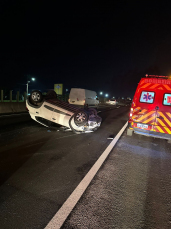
[(33, 79)]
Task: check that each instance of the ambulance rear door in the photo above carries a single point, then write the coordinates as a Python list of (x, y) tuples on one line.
[(144, 114), (163, 112)]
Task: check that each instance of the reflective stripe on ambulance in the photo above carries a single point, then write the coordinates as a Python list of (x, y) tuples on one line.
[(149, 118)]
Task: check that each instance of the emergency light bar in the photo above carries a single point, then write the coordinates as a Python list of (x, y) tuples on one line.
[(156, 76)]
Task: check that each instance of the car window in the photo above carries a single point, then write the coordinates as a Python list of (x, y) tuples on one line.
[(167, 99), (147, 97)]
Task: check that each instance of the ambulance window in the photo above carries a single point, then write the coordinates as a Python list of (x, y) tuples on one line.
[(167, 100), (147, 97)]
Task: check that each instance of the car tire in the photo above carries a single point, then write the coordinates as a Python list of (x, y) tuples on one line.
[(80, 118), (36, 96), (92, 111), (51, 95), (72, 128)]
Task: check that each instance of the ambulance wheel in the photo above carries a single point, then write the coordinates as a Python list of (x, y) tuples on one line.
[(129, 132), (36, 96), (80, 118), (169, 141)]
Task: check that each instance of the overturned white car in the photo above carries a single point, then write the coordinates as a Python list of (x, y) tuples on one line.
[(49, 109)]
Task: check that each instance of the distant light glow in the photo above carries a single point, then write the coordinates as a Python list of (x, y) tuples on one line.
[(101, 93), (106, 95), (33, 79)]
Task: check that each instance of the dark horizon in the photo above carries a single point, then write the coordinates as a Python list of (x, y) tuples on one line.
[(107, 47)]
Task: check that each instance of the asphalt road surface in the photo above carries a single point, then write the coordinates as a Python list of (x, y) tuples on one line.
[(131, 190), (40, 167)]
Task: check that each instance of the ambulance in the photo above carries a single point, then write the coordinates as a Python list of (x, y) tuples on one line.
[(150, 113)]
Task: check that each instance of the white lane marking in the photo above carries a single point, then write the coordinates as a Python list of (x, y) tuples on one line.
[(62, 214)]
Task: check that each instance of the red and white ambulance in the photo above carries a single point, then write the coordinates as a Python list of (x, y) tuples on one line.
[(150, 112)]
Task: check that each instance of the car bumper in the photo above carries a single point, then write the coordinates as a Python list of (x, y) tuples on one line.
[(153, 134), (149, 133)]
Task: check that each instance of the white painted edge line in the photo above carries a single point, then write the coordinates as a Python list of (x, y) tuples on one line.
[(62, 214)]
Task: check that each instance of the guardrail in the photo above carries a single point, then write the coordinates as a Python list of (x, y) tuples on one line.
[(11, 105), (11, 97)]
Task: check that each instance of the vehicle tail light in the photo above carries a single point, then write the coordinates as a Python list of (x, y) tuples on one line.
[(131, 112), (77, 99)]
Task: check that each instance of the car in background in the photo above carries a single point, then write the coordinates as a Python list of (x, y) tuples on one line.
[(111, 102), (48, 110), (83, 97)]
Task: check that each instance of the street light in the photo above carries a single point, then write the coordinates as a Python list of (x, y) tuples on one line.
[(101, 93), (33, 79), (106, 95)]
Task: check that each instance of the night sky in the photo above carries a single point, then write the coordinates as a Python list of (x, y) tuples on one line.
[(103, 47)]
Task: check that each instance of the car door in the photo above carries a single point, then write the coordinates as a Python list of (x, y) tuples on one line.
[(47, 110), (61, 116)]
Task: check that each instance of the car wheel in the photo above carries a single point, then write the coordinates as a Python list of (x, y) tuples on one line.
[(36, 96), (80, 118), (51, 95), (92, 111)]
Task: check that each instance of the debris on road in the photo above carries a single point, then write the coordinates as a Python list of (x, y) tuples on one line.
[(111, 137)]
